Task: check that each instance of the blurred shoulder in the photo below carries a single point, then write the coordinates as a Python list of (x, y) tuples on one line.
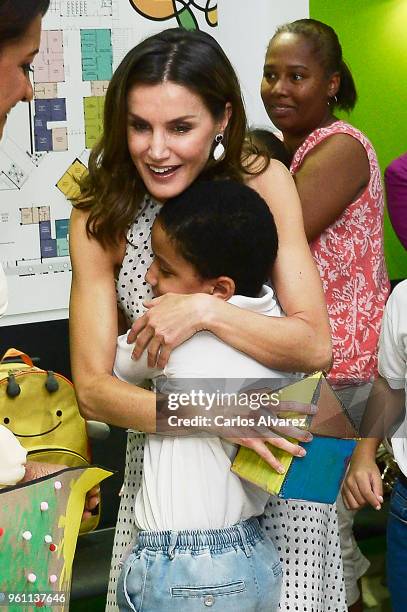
[(275, 174), (398, 297)]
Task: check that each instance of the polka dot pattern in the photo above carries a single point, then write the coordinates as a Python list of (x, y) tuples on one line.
[(131, 290), (307, 538)]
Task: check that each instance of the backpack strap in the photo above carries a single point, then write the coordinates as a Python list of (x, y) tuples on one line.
[(13, 354)]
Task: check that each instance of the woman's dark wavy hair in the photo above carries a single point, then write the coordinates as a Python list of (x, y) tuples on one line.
[(16, 17), (328, 49), (113, 189)]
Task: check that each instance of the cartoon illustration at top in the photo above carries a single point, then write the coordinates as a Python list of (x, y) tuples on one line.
[(183, 10)]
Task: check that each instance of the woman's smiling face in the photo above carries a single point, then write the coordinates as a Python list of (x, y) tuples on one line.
[(170, 135), (295, 88)]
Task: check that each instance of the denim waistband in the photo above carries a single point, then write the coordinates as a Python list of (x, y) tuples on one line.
[(241, 534)]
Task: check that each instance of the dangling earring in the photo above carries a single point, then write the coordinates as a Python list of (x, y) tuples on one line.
[(219, 150)]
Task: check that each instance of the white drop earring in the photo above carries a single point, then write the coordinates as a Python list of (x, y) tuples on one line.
[(219, 150)]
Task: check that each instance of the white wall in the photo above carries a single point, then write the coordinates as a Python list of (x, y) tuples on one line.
[(245, 27)]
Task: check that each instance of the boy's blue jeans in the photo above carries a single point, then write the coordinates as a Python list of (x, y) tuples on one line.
[(397, 547), (231, 569)]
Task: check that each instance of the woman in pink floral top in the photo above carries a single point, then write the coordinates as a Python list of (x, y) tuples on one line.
[(349, 256), (338, 179)]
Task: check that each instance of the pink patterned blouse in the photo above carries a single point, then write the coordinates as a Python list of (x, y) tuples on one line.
[(349, 255)]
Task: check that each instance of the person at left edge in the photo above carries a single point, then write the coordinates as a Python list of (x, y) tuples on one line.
[(20, 33)]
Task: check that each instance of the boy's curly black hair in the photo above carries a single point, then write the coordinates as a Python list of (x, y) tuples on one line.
[(223, 228)]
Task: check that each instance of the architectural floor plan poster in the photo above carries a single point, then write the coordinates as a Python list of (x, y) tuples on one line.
[(46, 142)]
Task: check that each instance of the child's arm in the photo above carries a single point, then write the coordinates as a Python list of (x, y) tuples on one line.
[(385, 407), (363, 483)]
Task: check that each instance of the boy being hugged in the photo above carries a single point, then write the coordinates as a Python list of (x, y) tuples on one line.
[(199, 539)]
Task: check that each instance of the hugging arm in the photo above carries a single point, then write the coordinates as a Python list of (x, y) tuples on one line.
[(93, 334), (300, 341), (93, 331)]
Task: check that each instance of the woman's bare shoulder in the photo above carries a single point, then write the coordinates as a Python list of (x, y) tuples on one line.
[(260, 173), (276, 185), (258, 164), (84, 246), (341, 151)]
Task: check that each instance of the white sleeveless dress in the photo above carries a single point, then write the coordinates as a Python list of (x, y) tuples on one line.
[(132, 290), (306, 535)]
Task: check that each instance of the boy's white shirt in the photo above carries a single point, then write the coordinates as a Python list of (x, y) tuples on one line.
[(393, 360), (205, 494)]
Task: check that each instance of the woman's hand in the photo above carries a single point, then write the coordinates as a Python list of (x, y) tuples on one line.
[(363, 484), (251, 428), (261, 447), (289, 422), (169, 321)]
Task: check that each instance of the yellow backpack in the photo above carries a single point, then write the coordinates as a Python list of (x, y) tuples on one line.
[(39, 407)]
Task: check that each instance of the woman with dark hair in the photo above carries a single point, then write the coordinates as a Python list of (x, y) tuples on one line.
[(16, 16), (173, 113), (20, 30), (338, 180), (20, 27)]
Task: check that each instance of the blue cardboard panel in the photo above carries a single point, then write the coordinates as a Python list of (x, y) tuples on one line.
[(318, 476)]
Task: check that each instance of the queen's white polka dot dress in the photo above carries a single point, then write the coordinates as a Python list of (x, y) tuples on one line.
[(306, 535), (132, 290)]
